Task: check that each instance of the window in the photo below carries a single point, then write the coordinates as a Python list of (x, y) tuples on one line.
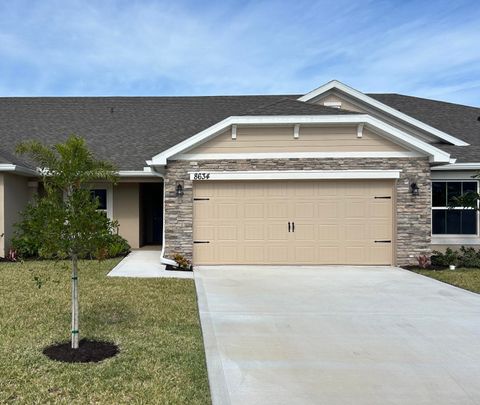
[(455, 221), (101, 195)]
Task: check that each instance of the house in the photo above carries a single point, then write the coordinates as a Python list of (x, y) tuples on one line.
[(334, 176)]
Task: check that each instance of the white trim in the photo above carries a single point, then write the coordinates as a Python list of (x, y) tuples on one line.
[(234, 132), (360, 130), (296, 131), (146, 172), (458, 166), (296, 155), (455, 240), (399, 136), (7, 167), (299, 175), (109, 188), (335, 84)]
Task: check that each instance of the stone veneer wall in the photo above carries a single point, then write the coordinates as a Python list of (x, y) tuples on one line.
[(413, 213)]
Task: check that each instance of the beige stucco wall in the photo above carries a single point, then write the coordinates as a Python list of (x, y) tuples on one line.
[(14, 196), (311, 139), (126, 210)]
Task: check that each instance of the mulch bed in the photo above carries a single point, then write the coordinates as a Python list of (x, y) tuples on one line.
[(431, 267), (89, 351)]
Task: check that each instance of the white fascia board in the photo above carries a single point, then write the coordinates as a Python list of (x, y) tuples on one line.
[(298, 174), (296, 155), (458, 166), (24, 171), (335, 84), (139, 173), (436, 155)]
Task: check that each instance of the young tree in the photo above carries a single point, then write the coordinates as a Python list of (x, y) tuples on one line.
[(66, 218)]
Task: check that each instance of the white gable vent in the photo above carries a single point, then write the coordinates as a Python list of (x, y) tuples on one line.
[(334, 104)]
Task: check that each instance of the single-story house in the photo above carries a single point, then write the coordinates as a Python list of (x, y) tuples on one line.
[(334, 176)]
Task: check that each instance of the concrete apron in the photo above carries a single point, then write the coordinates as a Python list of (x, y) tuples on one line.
[(337, 335)]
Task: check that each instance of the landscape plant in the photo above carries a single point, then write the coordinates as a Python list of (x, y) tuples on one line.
[(65, 223)]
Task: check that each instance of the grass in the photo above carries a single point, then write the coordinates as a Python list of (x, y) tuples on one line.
[(154, 321), (466, 278)]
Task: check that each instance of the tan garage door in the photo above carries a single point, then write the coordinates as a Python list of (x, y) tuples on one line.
[(293, 222)]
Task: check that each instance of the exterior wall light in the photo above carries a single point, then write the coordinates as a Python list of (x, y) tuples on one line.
[(414, 188), (179, 189)]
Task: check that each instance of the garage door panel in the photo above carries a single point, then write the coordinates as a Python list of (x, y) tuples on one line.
[(356, 232), (328, 254), (254, 231), (254, 254), (254, 210), (227, 233), (305, 254), (227, 210), (328, 210), (355, 209), (204, 232), (277, 210), (304, 210), (305, 232), (277, 231), (328, 232), (277, 254), (336, 222), (355, 255)]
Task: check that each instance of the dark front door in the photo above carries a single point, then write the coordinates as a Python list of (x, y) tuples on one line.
[(151, 202)]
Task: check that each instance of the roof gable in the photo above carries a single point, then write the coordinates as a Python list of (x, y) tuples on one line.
[(374, 103)]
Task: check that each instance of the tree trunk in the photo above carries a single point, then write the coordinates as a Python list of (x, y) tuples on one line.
[(75, 332)]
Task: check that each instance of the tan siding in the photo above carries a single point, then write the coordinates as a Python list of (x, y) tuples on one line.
[(359, 106), (127, 212), (311, 139), (14, 197)]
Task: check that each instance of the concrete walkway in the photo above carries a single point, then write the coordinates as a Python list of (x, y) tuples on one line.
[(145, 263), (338, 335)]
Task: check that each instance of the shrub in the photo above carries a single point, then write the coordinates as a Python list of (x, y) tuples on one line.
[(118, 246), (27, 242), (445, 259), (182, 261), (469, 257)]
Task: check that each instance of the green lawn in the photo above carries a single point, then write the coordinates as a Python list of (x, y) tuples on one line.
[(469, 279), (154, 322)]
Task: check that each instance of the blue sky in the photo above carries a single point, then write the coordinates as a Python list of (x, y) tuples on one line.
[(132, 47)]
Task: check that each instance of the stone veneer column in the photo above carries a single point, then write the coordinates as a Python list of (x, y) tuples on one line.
[(413, 213)]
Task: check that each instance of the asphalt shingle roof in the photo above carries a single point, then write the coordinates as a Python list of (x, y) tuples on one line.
[(458, 120), (130, 130)]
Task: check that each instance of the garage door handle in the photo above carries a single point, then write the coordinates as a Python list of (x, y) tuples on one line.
[(293, 226), (383, 241), (201, 241), (289, 227)]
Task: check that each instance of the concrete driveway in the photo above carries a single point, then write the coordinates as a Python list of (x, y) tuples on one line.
[(338, 335)]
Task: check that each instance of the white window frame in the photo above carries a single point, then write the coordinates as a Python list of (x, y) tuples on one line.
[(454, 239), (109, 189)]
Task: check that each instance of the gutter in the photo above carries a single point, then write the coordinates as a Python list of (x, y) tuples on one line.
[(22, 170)]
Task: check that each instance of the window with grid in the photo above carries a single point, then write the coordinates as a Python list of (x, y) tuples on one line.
[(453, 221)]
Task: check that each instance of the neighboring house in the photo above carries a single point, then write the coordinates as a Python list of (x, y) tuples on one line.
[(334, 176)]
